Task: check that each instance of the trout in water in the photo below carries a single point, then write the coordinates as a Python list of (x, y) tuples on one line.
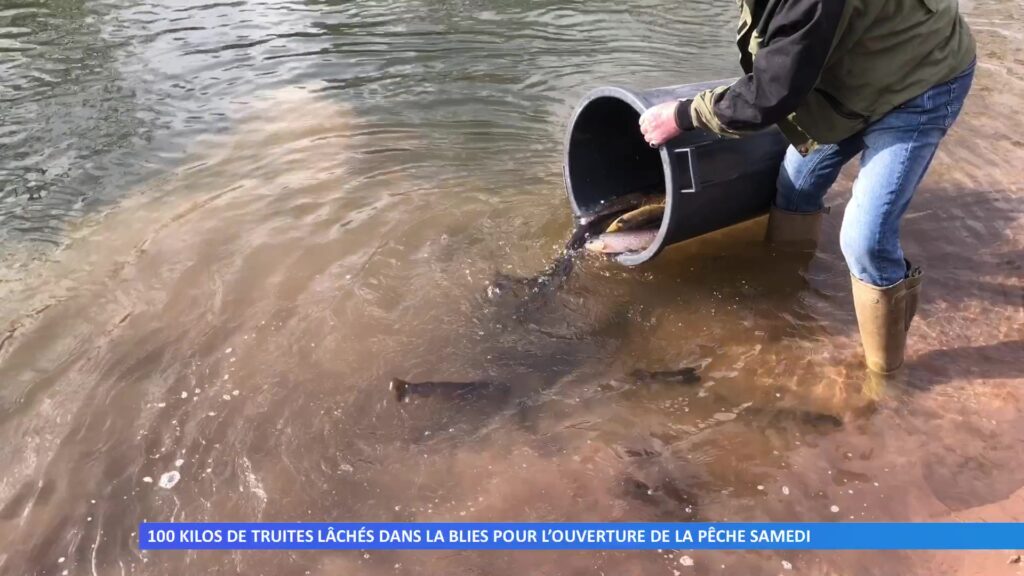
[(587, 227), (687, 376), (622, 204), (643, 217), (539, 351), (404, 391), (619, 242)]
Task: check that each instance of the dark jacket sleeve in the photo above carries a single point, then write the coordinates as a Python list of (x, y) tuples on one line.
[(797, 37)]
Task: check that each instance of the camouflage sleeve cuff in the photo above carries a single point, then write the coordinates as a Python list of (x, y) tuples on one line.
[(702, 112), (684, 121)]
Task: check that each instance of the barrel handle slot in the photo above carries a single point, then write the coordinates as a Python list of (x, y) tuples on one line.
[(686, 172)]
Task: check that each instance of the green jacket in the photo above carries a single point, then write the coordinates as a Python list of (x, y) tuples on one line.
[(822, 70)]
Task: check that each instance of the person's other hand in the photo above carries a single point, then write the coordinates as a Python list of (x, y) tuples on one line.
[(658, 124)]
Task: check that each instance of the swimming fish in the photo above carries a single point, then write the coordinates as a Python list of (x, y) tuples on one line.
[(619, 242), (587, 228), (639, 218), (620, 204), (687, 376), (778, 416), (551, 280), (404, 391)]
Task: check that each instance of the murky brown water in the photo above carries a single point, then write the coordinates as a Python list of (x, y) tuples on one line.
[(226, 226)]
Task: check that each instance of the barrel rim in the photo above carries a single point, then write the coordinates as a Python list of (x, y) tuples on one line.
[(641, 105)]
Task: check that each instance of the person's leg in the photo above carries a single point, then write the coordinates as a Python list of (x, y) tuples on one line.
[(898, 150), (803, 181)]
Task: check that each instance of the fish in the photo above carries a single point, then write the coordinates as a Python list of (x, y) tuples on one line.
[(639, 218), (619, 242), (523, 300), (687, 376), (619, 205), (552, 279), (810, 418), (405, 391), (778, 416), (588, 226)]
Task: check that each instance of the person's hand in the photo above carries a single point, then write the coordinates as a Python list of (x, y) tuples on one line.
[(658, 124)]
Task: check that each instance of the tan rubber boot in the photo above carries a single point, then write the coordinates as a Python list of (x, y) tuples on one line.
[(795, 230), (884, 316), (914, 276)]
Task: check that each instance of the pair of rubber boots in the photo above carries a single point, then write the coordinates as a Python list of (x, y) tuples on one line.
[(883, 314)]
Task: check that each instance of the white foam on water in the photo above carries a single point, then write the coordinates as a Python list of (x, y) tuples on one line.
[(169, 479), (254, 485)]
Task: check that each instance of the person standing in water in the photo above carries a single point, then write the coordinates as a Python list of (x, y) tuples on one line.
[(881, 78)]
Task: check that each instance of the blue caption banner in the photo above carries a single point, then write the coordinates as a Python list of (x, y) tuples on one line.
[(581, 536)]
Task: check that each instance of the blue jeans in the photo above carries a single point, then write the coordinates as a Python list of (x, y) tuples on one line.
[(895, 154)]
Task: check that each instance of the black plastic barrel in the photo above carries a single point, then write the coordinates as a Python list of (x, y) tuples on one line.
[(709, 182)]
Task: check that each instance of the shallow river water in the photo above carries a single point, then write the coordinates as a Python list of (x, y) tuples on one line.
[(225, 226)]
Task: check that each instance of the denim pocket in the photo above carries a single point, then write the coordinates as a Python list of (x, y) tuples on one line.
[(921, 102), (958, 90)]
